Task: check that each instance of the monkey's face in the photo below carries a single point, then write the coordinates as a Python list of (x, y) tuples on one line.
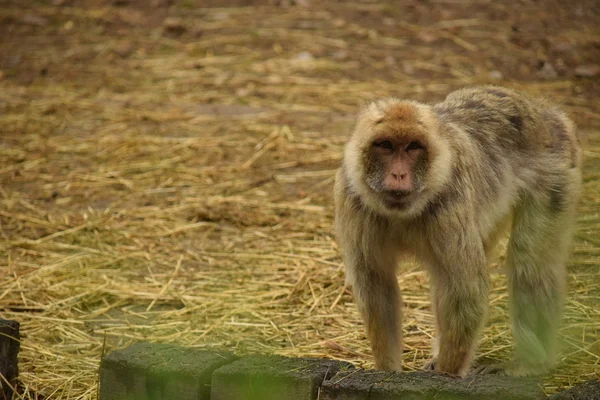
[(396, 161), (395, 168)]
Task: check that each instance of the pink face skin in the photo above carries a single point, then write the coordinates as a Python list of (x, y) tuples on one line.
[(398, 169)]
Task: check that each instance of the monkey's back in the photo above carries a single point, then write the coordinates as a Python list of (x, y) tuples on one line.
[(508, 146), (505, 122)]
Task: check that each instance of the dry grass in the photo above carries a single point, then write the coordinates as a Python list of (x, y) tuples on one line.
[(171, 182)]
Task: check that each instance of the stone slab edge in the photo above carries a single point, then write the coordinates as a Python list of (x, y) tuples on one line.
[(145, 371), (382, 385), (273, 377)]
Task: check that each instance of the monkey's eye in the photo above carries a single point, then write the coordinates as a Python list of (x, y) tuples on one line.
[(384, 144), (414, 146)]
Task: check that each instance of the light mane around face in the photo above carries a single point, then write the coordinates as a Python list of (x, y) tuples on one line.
[(397, 126)]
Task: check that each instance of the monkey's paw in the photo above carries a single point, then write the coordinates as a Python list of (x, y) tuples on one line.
[(430, 365)]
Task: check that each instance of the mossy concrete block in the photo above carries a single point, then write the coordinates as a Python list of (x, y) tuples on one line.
[(378, 385), (9, 351), (145, 371), (272, 378), (589, 390)]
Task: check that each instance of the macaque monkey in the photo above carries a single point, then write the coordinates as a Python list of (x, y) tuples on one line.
[(442, 183)]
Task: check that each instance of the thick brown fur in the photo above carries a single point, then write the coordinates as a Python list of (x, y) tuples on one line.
[(487, 158)]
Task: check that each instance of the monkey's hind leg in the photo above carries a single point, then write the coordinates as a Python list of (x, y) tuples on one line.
[(536, 257)]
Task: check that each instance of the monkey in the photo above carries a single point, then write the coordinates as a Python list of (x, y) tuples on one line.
[(440, 183)]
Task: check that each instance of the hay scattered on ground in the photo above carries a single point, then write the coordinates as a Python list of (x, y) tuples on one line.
[(165, 171)]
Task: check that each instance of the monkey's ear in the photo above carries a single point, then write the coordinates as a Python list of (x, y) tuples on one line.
[(372, 112)]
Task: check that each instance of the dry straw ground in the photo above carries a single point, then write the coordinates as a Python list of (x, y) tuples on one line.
[(166, 169)]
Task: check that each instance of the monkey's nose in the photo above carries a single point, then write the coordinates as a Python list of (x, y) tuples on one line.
[(398, 182), (400, 176)]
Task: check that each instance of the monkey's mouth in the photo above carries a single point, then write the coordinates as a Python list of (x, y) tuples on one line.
[(397, 200)]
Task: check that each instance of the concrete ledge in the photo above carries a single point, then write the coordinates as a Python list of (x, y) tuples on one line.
[(589, 390), (145, 371), (371, 385), (272, 377)]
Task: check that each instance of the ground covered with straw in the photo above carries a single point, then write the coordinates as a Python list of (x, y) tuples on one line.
[(166, 170)]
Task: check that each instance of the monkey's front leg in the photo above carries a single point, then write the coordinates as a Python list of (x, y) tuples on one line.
[(460, 298), (378, 298)]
